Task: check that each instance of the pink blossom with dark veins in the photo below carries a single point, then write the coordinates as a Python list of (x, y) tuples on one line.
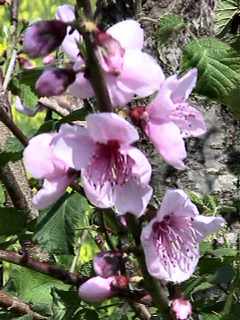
[(169, 118), (128, 71), (114, 173), (171, 240)]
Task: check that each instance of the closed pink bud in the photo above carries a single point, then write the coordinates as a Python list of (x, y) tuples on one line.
[(54, 82), (96, 289), (181, 309), (107, 263), (43, 37)]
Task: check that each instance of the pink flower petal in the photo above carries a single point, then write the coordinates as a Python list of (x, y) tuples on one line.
[(177, 201), (141, 168), (141, 74), (65, 13), (189, 120), (206, 225), (173, 271), (81, 87), (73, 146), (51, 191), (119, 94), (100, 196), (168, 141), (96, 289), (129, 33), (132, 197), (185, 86), (39, 159), (104, 127), (162, 105)]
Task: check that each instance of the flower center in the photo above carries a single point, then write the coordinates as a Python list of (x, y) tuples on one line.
[(109, 164), (175, 239)]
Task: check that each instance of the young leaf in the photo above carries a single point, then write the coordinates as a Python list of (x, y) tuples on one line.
[(57, 227), (33, 287), (12, 221), (218, 65), (225, 14), (169, 25)]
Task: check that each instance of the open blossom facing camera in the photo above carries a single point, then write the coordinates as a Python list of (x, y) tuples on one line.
[(169, 118), (40, 161), (114, 173), (171, 240), (128, 71)]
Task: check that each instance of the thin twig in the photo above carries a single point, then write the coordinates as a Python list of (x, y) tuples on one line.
[(17, 306), (14, 40), (141, 311), (93, 67), (6, 119), (42, 267)]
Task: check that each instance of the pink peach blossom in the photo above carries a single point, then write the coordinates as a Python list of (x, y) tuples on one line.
[(128, 71), (169, 118), (114, 173), (96, 289), (171, 240), (41, 162)]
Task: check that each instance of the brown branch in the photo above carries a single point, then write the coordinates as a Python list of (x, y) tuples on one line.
[(16, 305), (13, 189), (42, 267), (141, 311), (7, 120), (95, 73)]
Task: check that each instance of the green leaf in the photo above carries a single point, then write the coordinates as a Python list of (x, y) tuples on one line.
[(76, 115), (225, 14), (201, 287), (218, 65), (58, 226), (33, 287), (2, 195), (66, 305), (169, 25), (12, 221), (211, 317), (12, 151), (90, 314)]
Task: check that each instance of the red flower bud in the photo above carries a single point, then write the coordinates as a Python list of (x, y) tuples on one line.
[(54, 82), (137, 115), (43, 37), (181, 309), (107, 264)]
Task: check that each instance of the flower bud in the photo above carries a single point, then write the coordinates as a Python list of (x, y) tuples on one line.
[(54, 82), (107, 264), (181, 309), (137, 115), (43, 37), (96, 289)]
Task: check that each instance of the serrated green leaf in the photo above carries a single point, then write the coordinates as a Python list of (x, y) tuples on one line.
[(225, 12), (169, 25), (12, 221), (12, 151), (58, 226), (33, 287), (211, 317), (202, 286), (218, 65)]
